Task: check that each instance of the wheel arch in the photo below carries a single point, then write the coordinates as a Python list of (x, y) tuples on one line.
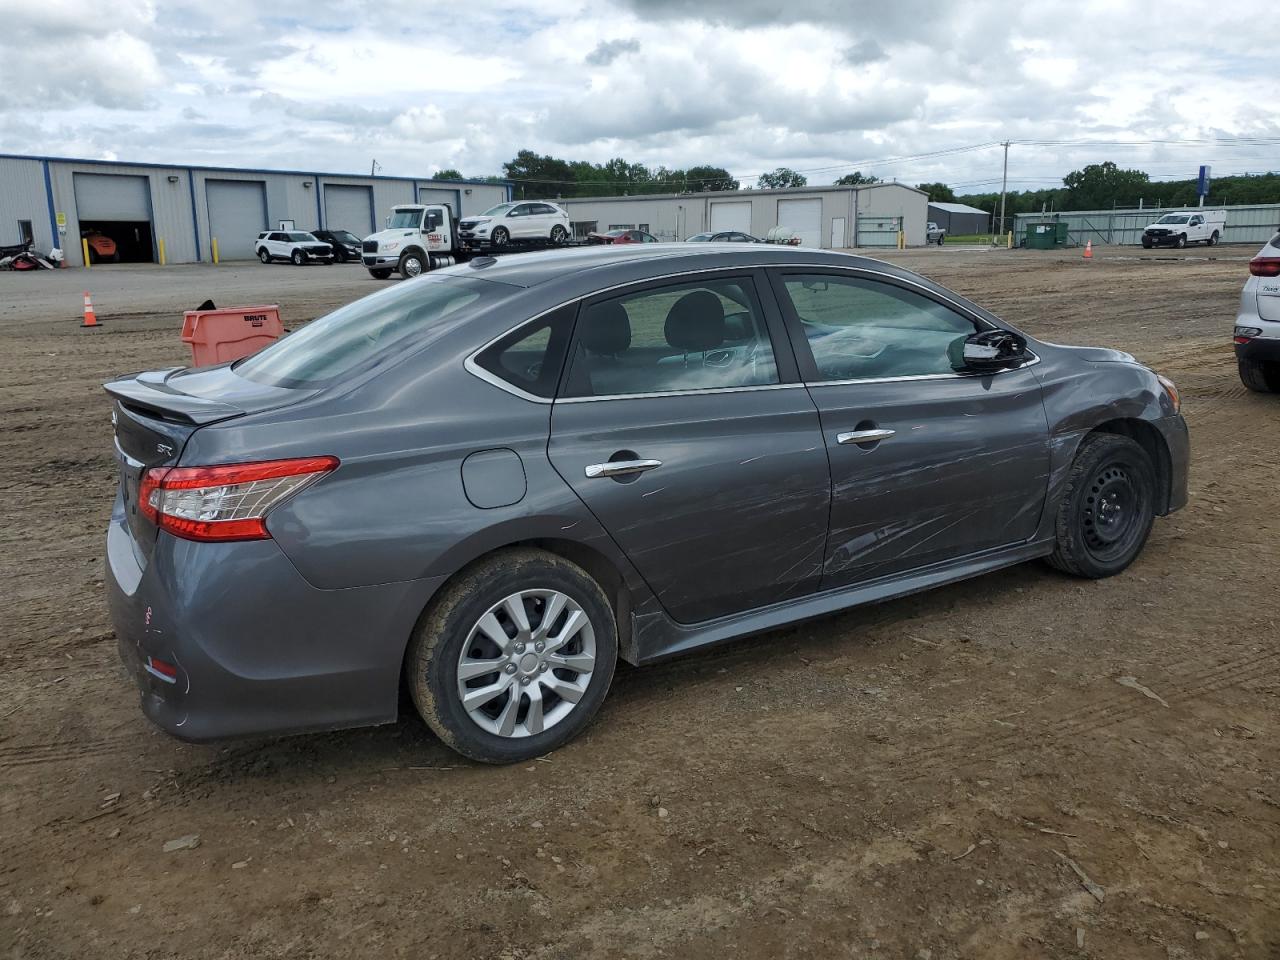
[(1153, 443), (600, 567)]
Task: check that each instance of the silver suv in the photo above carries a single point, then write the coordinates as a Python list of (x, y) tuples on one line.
[(1257, 333)]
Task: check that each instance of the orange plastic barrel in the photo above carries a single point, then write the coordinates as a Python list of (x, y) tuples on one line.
[(217, 336)]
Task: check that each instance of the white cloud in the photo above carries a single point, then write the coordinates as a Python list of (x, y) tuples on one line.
[(745, 84)]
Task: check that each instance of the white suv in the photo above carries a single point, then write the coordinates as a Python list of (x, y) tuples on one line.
[(1257, 333), (291, 245), (529, 220)]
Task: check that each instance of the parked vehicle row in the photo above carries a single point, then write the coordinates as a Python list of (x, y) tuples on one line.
[(488, 485)]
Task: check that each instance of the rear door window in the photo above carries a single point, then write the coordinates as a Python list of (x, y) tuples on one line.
[(678, 337), (373, 328)]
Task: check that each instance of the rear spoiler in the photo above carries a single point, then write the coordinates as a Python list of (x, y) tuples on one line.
[(151, 392)]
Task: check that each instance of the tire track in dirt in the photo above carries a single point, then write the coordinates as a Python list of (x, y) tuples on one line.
[(1109, 710)]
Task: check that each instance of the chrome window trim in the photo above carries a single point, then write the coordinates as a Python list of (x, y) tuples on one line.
[(472, 367)]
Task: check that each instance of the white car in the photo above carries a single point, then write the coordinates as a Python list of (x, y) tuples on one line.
[(1179, 229), (521, 221), (291, 245), (1257, 333)]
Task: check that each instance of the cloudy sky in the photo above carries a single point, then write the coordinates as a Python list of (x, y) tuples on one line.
[(817, 85)]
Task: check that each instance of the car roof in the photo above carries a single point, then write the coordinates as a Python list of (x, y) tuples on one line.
[(531, 269)]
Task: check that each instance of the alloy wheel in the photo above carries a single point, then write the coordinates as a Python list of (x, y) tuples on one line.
[(526, 663)]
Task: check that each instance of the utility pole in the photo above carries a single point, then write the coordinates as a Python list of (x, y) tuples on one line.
[(1004, 181), (373, 167)]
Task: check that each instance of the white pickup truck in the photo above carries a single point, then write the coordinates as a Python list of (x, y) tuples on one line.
[(1183, 227)]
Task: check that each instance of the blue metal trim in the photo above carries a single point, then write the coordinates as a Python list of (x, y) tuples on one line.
[(183, 166), (416, 197), (195, 220), (53, 216), (319, 209)]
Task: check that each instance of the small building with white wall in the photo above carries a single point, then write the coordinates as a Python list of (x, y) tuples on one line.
[(55, 200), (829, 217)]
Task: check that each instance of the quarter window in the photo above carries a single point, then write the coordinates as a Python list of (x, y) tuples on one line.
[(861, 329), (688, 336), (531, 357)]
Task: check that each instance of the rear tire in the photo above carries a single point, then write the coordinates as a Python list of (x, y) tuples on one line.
[(1259, 375), (1107, 507), (559, 234), (457, 631), (264, 256), (1213, 240)]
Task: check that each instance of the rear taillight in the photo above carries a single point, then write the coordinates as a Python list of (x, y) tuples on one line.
[(1265, 266), (225, 502)]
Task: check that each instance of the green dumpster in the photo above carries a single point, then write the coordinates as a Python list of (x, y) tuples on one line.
[(1046, 235)]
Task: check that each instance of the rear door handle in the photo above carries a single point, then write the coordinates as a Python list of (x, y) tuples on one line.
[(621, 468), (864, 436)]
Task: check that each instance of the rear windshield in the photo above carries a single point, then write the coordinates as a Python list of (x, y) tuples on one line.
[(369, 329)]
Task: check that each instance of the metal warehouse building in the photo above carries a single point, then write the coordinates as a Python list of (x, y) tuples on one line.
[(960, 219), (54, 200), (831, 217)]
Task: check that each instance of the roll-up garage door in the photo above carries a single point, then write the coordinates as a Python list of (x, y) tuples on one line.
[(731, 215), (237, 214), (804, 217), (348, 207), (104, 196), (431, 195)]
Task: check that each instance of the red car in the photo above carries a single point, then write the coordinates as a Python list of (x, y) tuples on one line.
[(622, 236)]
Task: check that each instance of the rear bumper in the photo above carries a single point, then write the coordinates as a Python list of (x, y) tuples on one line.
[(1266, 349), (257, 649)]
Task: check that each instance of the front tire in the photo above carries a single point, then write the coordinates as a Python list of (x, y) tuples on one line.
[(298, 258), (1146, 243), (1181, 242), (412, 264), (1259, 375), (514, 658), (1107, 508), (380, 274)]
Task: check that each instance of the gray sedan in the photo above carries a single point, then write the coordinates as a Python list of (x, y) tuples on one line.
[(491, 482)]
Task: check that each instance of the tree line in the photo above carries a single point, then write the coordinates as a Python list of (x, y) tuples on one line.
[(1097, 186)]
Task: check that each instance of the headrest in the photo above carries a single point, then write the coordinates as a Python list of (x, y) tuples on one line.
[(606, 328), (696, 322)]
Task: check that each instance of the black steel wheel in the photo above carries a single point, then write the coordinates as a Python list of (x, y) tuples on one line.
[(1107, 508)]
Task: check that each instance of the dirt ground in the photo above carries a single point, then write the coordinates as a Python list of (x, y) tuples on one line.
[(934, 777)]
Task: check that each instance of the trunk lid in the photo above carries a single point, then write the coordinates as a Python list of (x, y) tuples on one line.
[(155, 413)]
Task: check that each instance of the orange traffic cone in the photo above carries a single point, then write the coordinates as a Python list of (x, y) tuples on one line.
[(90, 318), (1088, 249)]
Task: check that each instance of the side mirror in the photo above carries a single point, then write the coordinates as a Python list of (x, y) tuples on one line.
[(987, 352)]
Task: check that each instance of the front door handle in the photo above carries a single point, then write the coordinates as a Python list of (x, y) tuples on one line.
[(864, 436), (621, 468)]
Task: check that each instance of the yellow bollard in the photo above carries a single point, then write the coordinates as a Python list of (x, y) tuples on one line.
[(162, 251), (1010, 239), (84, 245), (215, 250)]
